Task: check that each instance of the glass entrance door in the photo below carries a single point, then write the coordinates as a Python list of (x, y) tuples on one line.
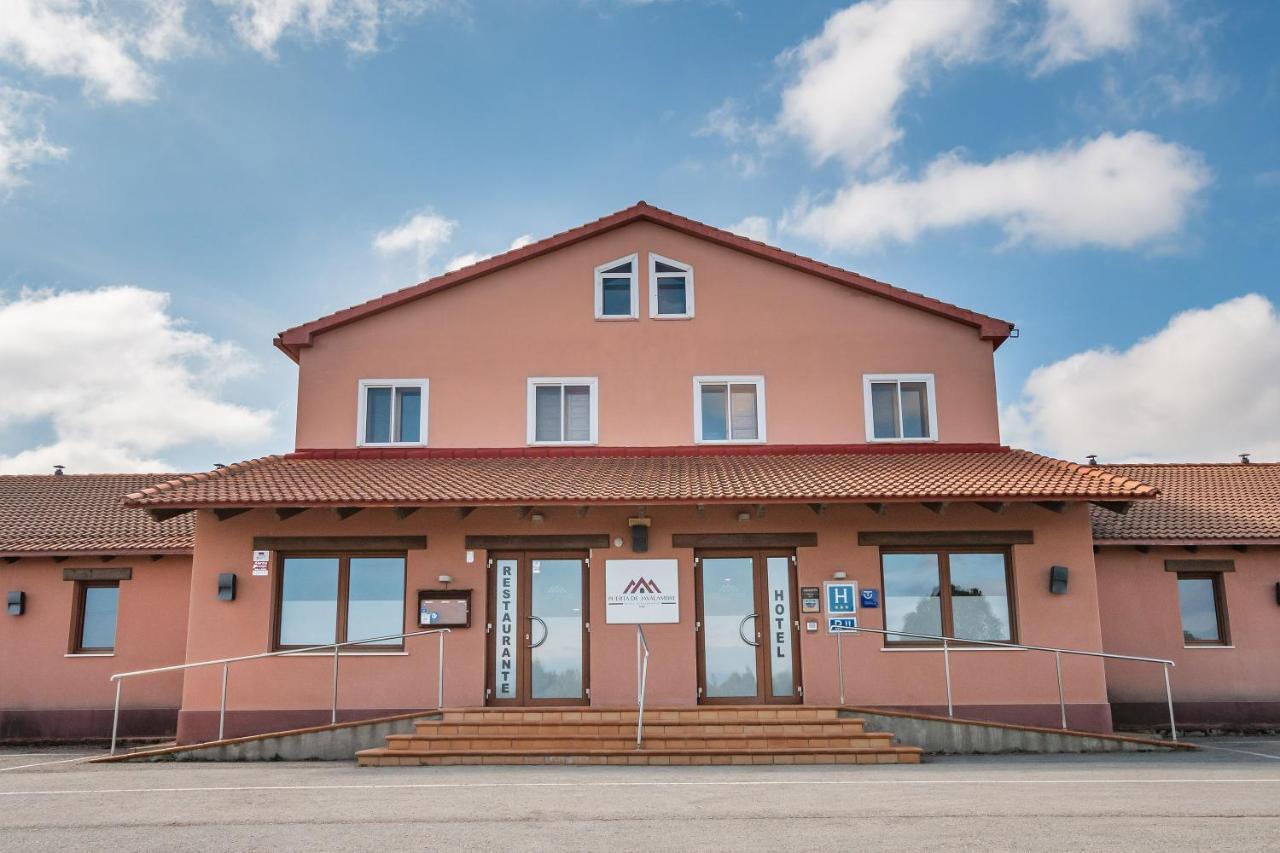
[(748, 634), (538, 629)]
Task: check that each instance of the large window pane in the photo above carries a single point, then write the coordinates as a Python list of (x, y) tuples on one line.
[(616, 297), (912, 595), (979, 597), (547, 413), (715, 424), (884, 409), (375, 598), (98, 628), (915, 409), (577, 413), (1198, 605), (743, 409), (377, 415), (409, 414), (309, 601), (671, 295)]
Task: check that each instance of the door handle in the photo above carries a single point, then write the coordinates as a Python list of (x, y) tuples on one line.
[(545, 632), (743, 622)]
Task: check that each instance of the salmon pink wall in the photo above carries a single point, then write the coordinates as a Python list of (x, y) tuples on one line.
[(1018, 685), (811, 339), (45, 691), (1211, 684)]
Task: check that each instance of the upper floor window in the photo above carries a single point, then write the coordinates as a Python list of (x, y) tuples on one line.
[(900, 407), (392, 411), (617, 297), (1203, 609), (562, 410), (728, 409), (96, 607), (670, 288)]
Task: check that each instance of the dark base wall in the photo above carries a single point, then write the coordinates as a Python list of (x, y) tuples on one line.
[(1197, 714), (202, 726), (86, 723), (1085, 718)]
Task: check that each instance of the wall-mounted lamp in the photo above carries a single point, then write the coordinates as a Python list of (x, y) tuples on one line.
[(839, 575), (17, 602), (639, 533), (1058, 580), (227, 586), (445, 580), (537, 517), (744, 516), (1278, 593)]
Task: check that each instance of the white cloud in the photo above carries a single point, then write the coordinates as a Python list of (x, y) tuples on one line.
[(1203, 388), (424, 234), (22, 142), (1078, 30), (117, 379), (469, 258), (754, 228), (1116, 192), (851, 77), (264, 23)]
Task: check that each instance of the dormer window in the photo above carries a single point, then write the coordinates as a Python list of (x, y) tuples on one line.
[(617, 297), (900, 407), (670, 289), (392, 412)]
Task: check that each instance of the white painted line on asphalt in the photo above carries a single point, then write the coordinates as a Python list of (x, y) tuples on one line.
[(1241, 751), (44, 764), (633, 784), (6, 755)]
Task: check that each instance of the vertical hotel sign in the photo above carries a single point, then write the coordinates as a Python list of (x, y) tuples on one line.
[(505, 631)]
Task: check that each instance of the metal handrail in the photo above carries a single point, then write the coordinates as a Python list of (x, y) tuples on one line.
[(840, 631), (225, 663), (642, 680)]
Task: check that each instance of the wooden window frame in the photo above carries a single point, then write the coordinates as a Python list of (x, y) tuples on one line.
[(1219, 608), (944, 589), (343, 602), (634, 277), (869, 379), (686, 271), (531, 409), (77, 619), (362, 406), (728, 382)]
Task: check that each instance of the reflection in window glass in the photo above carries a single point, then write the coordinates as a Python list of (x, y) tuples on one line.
[(742, 401), (375, 598), (979, 597), (577, 413), (377, 416), (915, 409), (309, 601), (547, 414), (409, 414), (1197, 601), (884, 409), (912, 594), (715, 421), (98, 625)]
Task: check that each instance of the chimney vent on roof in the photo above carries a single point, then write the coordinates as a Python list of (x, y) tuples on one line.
[(57, 470), (219, 465), (1093, 458), (1244, 458)]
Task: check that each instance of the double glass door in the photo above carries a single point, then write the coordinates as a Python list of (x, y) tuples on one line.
[(748, 633), (537, 629)]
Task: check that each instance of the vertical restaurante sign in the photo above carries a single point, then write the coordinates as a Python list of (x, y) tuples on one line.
[(505, 631), (641, 591)]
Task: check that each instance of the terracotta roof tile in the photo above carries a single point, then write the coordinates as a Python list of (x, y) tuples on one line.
[(83, 514), (640, 476), (1230, 503)]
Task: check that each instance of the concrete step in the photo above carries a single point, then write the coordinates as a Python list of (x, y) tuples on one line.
[(383, 757), (770, 728), (680, 742), (703, 714)]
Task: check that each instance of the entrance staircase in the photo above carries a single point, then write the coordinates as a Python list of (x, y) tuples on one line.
[(803, 734)]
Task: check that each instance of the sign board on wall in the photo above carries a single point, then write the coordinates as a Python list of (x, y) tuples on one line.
[(842, 605), (261, 560), (641, 592)]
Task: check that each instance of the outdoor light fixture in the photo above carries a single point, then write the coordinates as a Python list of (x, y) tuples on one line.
[(227, 586), (1277, 593), (839, 575), (445, 580), (639, 533), (537, 518), (1058, 580), (18, 602), (744, 516)]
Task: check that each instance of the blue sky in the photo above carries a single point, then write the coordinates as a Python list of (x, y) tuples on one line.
[(1089, 172)]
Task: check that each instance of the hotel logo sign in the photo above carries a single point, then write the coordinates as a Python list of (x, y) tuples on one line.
[(641, 591)]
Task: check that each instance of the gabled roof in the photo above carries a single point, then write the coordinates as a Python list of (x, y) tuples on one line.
[(798, 474), (82, 514), (292, 340), (1228, 503)]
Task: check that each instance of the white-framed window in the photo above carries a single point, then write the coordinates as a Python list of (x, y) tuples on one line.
[(617, 293), (563, 410), (900, 407), (392, 412), (670, 289), (728, 409)]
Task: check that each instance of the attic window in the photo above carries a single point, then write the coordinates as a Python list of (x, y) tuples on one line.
[(670, 289), (617, 297)]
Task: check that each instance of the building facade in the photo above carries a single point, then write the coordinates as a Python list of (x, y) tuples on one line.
[(648, 419)]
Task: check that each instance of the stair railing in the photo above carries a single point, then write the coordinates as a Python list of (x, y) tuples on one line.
[(642, 681), (947, 647), (225, 663)]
